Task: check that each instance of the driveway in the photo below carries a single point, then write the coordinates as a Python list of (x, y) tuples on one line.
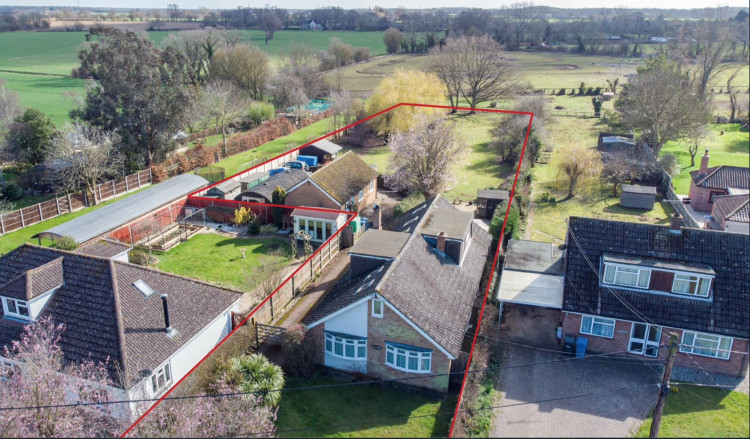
[(620, 402)]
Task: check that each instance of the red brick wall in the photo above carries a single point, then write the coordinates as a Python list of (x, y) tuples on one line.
[(309, 195), (700, 197), (369, 197), (735, 365)]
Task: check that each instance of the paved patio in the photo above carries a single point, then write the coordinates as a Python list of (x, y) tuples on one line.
[(589, 397)]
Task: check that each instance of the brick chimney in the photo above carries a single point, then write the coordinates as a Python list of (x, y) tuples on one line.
[(676, 224), (441, 242), (377, 217), (704, 163)]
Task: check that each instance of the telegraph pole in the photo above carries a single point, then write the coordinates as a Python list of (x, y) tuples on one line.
[(664, 386)]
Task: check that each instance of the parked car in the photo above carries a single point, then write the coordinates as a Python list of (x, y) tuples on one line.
[(297, 164)]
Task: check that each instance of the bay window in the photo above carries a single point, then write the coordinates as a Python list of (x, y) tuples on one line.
[(346, 346), (408, 358), (707, 345), (597, 326)]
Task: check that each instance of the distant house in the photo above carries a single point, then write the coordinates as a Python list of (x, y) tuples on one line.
[(115, 312), (324, 150), (707, 183), (226, 190), (262, 190), (629, 285), (637, 197), (488, 200), (658, 40), (348, 183), (404, 306), (608, 95), (731, 213)]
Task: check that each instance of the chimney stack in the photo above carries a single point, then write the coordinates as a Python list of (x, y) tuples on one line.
[(377, 217), (704, 163), (166, 314), (675, 224), (441, 242)]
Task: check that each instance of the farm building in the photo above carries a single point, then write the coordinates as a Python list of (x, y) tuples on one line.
[(487, 201), (116, 220), (227, 190), (324, 150), (262, 192), (637, 197)]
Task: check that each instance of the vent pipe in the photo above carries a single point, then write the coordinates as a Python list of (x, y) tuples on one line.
[(166, 314)]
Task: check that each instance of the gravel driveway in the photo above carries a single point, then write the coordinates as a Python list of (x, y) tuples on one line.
[(619, 396)]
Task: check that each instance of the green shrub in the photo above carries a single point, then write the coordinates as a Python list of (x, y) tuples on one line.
[(260, 376), (12, 192), (254, 228), (298, 352), (561, 92), (65, 243), (138, 256), (544, 197), (260, 112), (413, 200)]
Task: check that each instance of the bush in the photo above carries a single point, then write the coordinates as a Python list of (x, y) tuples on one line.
[(254, 228), (669, 162), (258, 375), (561, 92), (67, 243), (298, 352), (544, 197), (260, 112), (243, 215), (268, 229), (12, 192), (159, 173), (361, 54), (138, 256)]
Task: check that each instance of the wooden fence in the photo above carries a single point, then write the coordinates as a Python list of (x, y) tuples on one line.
[(45, 210)]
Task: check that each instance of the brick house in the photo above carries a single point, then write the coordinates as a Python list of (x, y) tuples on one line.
[(114, 312), (731, 213), (403, 307), (707, 183), (348, 183), (628, 285)]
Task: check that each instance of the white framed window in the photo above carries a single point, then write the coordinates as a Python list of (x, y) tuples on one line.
[(16, 308), (346, 346), (372, 185), (598, 326), (377, 308), (161, 378), (627, 276), (408, 358), (361, 194), (707, 345), (691, 284)]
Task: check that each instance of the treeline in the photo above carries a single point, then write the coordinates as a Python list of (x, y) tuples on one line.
[(26, 21)]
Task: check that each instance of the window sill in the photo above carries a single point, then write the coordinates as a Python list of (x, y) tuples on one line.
[(345, 358), (418, 372)]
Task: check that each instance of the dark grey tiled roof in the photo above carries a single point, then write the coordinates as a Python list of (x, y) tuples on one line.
[(635, 189), (349, 289), (107, 318), (722, 177), (286, 180), (493, 194), (25, 274), (103, 248), (733, 207), (728, 254), (532, 256), (381, 243)]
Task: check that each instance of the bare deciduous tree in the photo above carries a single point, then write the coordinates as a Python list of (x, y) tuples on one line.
[(733, 92), (302, 62), (487, 75), (422, 157), (223, 103), (345, 109), (81, 156), (267, 274), (712, 44), (577, 164), (620, 167), (287, 90), (9, 106), (246, 66), (448, 65)]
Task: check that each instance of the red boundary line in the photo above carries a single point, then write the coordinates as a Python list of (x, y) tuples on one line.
[(352, 215)]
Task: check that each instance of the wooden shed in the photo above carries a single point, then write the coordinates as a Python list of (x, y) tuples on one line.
[(487, 201), (637, 197)]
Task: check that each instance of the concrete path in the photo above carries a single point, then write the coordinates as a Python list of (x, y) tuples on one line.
[(590, 397)]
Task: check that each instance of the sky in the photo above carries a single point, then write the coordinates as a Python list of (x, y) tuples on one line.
[(308, 4)]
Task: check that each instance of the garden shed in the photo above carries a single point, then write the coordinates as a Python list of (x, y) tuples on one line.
[(226, 189), (638, 197), (122, 213), (487, 201), (324, 150)]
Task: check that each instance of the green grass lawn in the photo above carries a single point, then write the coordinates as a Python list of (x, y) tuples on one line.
[(217, 259), (360, 411), (45, 92), (377, 156), (234, 164), (19, 237), (702, 412), (732, 148)]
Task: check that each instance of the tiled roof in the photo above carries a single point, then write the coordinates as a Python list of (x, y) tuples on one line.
[(722, 177), (25, 274), (103, 248), (285, 179), (727, 254), (107, 318), (345, 177), (635, 189), (733, 207)]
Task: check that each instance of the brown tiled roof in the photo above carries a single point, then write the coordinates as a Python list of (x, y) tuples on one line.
[(103, 248), (345, 177), (733, 207), (27, 274), (722, 177), (107, 319)]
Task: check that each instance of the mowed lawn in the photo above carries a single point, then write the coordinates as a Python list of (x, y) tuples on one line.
[(50, 94), (731, 148), (218, 259), (702, 412), (360, 411)]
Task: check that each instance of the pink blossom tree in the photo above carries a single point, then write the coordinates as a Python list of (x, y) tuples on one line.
[(423, 156), (42, 378)]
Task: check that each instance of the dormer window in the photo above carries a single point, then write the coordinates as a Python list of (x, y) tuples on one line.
[(626, 276), (691, 284), (16, 308)]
